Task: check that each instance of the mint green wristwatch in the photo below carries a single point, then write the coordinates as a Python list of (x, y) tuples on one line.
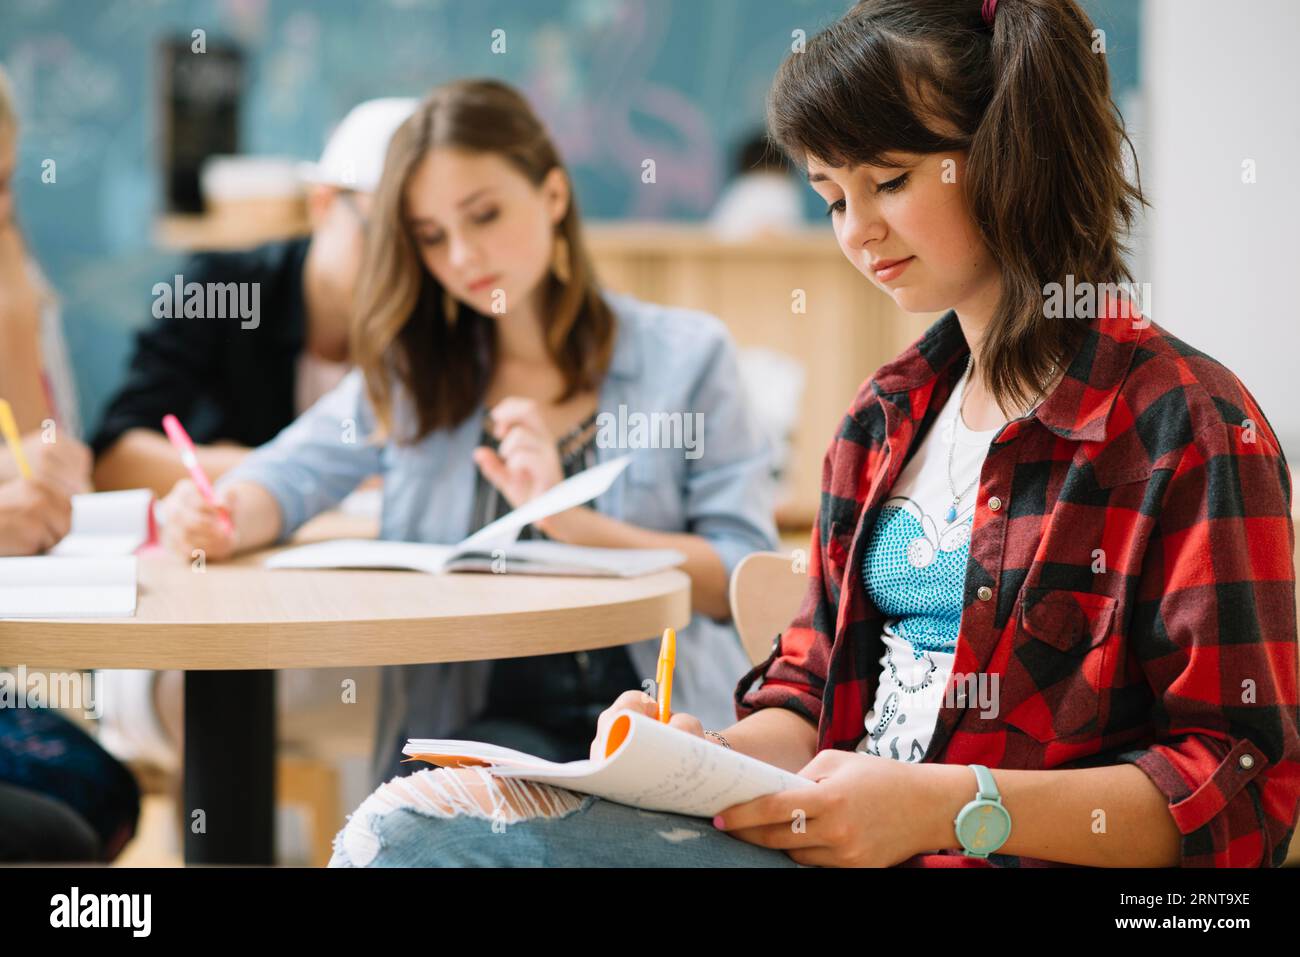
[(984, 824)]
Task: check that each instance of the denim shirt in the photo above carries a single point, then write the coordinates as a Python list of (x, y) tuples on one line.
[(665, 360)]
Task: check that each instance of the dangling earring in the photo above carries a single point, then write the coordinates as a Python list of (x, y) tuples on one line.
[(450, 307), (560, 260)]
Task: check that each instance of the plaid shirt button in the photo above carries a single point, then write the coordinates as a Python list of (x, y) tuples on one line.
[(1246, 761), (995, 503), (984, 593)]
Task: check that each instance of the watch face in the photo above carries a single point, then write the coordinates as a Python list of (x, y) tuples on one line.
[(983, 827)]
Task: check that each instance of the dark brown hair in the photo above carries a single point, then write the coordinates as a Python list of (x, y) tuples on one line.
[(1029, 101), (402, 330)]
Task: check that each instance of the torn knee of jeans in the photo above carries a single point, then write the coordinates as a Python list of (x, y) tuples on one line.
[(447, 793), (477, 793), (358, 843)]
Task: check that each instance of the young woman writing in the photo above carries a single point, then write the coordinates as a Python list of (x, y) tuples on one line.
[(486, 351), (1051, 611)]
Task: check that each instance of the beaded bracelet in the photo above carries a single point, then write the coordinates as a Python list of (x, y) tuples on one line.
[(720, 739)]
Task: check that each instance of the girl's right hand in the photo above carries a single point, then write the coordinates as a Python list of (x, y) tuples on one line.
[(190, 523), (34, 517), (63, 465), (642, 702)]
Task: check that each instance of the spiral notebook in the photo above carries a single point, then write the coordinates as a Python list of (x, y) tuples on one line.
[(647, 764)]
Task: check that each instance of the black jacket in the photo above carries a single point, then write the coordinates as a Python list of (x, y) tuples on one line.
[(221, 380)]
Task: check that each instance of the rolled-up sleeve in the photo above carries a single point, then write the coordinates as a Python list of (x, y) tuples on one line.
[(1220, 654), (319, 458)]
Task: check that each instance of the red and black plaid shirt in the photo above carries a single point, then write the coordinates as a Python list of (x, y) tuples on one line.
[(1130, 583)]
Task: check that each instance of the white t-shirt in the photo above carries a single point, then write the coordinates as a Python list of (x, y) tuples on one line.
[(914, 570)]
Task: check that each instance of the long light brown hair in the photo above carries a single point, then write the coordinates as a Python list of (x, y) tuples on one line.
[(1031, 103), (401, 334)]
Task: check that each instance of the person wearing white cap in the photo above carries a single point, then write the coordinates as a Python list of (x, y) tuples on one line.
[(234, 383), (354, 156)]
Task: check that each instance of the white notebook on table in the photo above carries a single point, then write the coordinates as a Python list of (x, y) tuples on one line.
[(49, 587), (647, 764), (107, 523)]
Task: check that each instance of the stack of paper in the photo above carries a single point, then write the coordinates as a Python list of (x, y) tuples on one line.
[(646, 764), (67, 587)]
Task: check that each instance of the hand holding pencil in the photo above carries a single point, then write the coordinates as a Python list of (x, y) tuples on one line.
[(34, 515), (194, 516), (191, 522), (660, 709), (63, 464)]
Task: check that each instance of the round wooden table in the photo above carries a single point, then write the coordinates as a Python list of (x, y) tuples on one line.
[(228, 626)]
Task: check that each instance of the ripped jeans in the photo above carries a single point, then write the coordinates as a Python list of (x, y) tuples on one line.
[(442, 817)]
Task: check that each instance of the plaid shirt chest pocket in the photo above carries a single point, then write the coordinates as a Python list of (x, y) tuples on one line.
[(1056, 679)]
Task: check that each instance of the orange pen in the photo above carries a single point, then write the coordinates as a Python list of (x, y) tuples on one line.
[(664, 674)]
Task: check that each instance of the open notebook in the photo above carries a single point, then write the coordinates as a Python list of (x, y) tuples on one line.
[(647, 764), (108, 523), (68, 587), (529, 558), (494, 547)]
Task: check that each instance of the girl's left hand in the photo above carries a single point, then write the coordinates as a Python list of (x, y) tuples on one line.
[(526, 462), (863, 811)]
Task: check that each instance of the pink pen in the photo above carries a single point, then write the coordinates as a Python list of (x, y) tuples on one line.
[(181, 440)]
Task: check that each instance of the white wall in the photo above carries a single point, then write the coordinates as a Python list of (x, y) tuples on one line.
[(1221, 84)]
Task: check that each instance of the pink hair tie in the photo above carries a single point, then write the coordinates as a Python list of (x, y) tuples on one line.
[(989, 10)]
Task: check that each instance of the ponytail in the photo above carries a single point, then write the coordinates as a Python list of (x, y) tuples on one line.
[(1046, 183)]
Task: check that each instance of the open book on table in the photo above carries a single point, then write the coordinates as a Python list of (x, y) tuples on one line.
[(530, 558), (647, 764), (495, 547)]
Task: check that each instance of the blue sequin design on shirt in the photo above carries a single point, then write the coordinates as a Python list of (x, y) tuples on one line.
[(916, 575)]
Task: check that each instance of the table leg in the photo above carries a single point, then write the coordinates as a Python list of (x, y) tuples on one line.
[(229, 767)]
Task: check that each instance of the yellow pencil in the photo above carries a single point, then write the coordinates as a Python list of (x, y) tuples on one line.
[(10, 429), (664, 674)]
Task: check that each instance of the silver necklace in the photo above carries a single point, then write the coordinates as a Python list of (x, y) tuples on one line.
[(911, 689), (957, 421)]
